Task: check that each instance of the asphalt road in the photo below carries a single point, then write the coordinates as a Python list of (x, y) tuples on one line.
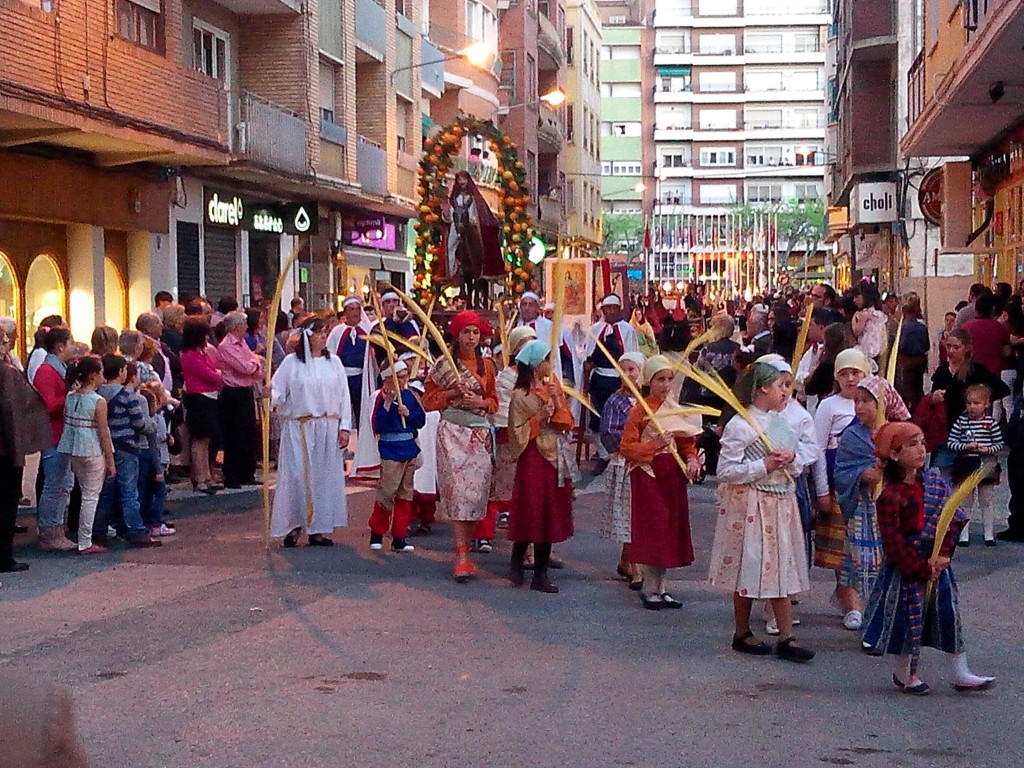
[(214, 651)]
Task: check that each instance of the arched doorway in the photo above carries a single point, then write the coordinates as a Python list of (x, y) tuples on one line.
[(44, 292), (115, 296), (9, 296)]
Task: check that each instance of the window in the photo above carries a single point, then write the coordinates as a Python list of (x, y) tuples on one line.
[(624, 90), (717, 81), (675, 160), (763, 118), (606, 53), (679, 84), (616, 21), (806, 42), (719, 156), (763, 80), (673, 43), (606, 168), (530, 86), (718, 119), (676, 195), (764, 193), (606, 90), (718, 45), (139, 22), (764, 155), (481, 24), (807, 118), (717, 7), (620, 129), (402, 78), (802, 80), (569, 41), (404, 112), (625, 52), (328, 92), (807, 192), (717, 194), (400, 8), (626, 168), (762, 43), (570, 124), (209, 51)]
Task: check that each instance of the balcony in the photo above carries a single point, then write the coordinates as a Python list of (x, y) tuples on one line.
[(550, 131), (262, 7), (371, 165), (371, 31), (549, 45), (271, 136), (333, 160), (433, 69), (957, 115)]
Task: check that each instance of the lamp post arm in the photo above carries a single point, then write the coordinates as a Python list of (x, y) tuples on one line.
[(421, 64)]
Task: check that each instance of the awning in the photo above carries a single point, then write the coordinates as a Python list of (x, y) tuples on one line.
[(390, 261), (674, 71)]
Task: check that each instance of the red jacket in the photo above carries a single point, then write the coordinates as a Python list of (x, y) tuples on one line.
[(54, 392)]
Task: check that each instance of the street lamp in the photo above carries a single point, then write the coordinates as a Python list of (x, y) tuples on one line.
[(553, 98), (478, 54)]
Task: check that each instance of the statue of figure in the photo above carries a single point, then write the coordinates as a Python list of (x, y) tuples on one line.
[(472, 251)]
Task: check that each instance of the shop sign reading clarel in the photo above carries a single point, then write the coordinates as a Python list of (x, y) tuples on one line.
[(224, 209)]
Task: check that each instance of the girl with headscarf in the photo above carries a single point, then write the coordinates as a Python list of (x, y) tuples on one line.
[(615, 522), (758, 552), (541, 511), (660, 511), (833, 415), (465, 437), (915, 603), (857, 475), (310, 393), (644, 331)]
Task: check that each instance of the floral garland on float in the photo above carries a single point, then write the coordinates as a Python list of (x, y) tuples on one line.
[(432, 188)]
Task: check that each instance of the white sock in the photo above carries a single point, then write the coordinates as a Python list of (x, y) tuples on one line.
[(965, 534), (962, 672), (988, 510)]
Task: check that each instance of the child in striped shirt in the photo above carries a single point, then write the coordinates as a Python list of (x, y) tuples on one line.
[(974, 437)]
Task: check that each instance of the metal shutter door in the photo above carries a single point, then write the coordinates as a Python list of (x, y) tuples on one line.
[(188, 259), (220, 261)]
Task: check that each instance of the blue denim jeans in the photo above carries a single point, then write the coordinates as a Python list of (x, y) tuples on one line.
[(152, 494), (125, 485), (58, 480)]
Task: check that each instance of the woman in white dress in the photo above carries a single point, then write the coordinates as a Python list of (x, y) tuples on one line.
[(310, 393)]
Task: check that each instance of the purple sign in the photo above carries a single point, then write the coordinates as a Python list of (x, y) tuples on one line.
[(381, 235)]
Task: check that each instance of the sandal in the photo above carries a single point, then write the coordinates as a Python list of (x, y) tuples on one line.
[(742, 644), (670, 602), (292, 538), (464, 568), (636, 583), (652, 602), (319, 540)]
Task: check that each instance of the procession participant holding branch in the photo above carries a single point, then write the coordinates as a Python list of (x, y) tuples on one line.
[(542, 495), (758, 551), (310, 391), (348, 342), (660, 512), (462, 386)]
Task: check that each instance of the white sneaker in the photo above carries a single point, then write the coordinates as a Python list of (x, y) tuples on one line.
[(162, 530), (376, 546), (771, 627), (853, 620)]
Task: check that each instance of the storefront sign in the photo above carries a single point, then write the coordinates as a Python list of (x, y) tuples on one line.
[(929, 196), (874, 203), (224, 209), (372, 232)]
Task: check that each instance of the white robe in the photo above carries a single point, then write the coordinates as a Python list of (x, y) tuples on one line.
[(425, 479), (366, 459), (316, 389)]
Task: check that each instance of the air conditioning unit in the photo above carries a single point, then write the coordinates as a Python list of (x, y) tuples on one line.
[(241, 137)]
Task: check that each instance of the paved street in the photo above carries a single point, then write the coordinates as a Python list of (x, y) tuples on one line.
[(213, 652)]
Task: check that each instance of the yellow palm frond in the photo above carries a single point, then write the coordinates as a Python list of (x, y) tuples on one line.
[(581, 399), (712, 381), (890, 372), (432, 329), (801, 339), (954, 502), (558, 271)]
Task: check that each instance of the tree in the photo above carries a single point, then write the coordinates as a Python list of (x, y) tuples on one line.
[(798, 221), (623, 233)]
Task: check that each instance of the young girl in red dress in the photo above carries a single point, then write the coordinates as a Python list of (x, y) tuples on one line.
[(660, 511)]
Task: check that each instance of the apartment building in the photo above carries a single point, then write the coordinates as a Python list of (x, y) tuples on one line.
[(582, 115), (532, 36), (190, 145), (964, 105), (739, 118)]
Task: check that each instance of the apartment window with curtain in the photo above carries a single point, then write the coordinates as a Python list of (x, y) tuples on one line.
[(717, 82), (718, 45), (717, 194), (570, 125), (569, 41), (403, 118), (508, 70), (328, 91), (717, 119), (718, 156), (530, 85), (141, 22)]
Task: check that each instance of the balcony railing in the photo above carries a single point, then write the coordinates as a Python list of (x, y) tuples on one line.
[(371, 164), (271, 135), (978, 13), (774, 125), (371, 29), (776, 50), (433, 67)]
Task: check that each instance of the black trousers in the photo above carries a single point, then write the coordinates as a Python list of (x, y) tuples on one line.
[(10, 495), (355, 395), (601, 388), (1015, 476), (239, 432)]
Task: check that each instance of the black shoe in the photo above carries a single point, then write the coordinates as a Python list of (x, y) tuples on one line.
[(636, 583), (319, 540), (21, 529), (1010, 535), (670, 602), (14, 567), (540, 583), (144, 542), (376, 542), (291, 539), (484, 546), (401, 545), (787, 651), (233, 486), (965, 543), (757, 648), (652, 602), (990, 542)]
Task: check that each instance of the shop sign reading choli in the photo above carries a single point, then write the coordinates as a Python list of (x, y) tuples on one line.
[(224, 209), (874, 203)]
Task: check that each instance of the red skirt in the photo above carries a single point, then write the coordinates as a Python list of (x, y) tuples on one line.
[(541, 512), (660, 523)]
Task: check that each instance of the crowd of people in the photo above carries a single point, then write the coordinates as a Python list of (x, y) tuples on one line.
[(831, 447)]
